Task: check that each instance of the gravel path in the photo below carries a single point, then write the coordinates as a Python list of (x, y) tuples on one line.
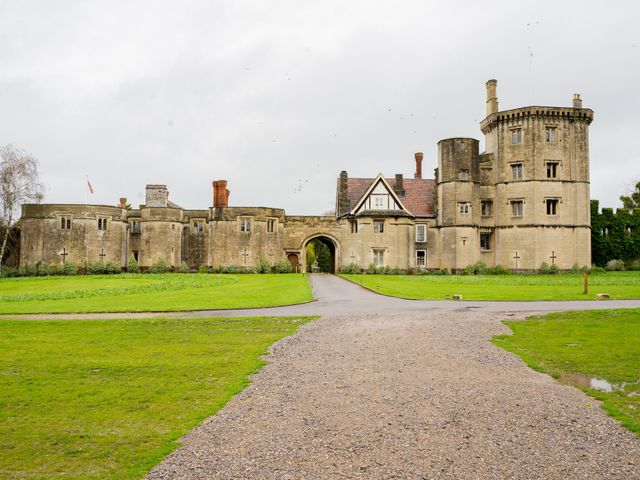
[(411, 395)]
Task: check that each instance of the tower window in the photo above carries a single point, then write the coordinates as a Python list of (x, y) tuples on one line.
[(198, 227), (516, 171), (550, 134), (135, 226), (517, 207), (552, 206), (102, 224), (421, 231), (552, 169), (516, 136), (487, 208), (485, 241), (463, 174), (378, 226), (353, 225), (271, 225), (463, 208), (245, 225), (421, 258), (65, 222)]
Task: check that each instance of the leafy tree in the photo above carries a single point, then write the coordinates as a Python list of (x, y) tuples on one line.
[(632, 201), (19, 183)]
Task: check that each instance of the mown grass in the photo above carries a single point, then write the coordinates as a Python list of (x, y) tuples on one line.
[(107, 399), (161, 292), (602, 344), (503, 287)]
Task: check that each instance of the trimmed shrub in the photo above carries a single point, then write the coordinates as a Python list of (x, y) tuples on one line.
[(546, 269), (10, 272), (133, 266), (283, 266), (229, 269), (497, 270), (596, 269), (112, 268), (635, 265), (371, 268), (204, 269), (28, 271), (477, 268), (95, 268), (183, 268), (263, 266), (69, 268), (350, 268), (615, 265), (159, 266), (43, 270), (54, 267)]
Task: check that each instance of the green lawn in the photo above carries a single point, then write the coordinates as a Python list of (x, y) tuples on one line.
[(163, 292), (503, 287), (603, 344), (98, 399)]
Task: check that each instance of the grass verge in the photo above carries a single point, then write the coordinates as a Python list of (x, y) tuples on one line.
[(161, 292), (108, 399), (618, 285), (601, 344)]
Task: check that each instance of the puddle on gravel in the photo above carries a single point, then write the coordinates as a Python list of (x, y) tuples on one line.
[(585, 381)]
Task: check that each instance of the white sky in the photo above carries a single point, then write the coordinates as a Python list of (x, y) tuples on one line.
[(278, 96)]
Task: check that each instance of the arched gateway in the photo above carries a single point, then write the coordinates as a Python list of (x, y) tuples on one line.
[(334, 249)]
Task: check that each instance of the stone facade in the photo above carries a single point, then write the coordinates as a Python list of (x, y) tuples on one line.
[(523, 201)]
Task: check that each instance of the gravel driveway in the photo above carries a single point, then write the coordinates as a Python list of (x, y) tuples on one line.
[(410, 395)]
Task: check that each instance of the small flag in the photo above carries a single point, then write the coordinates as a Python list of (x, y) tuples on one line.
[(89, 185)]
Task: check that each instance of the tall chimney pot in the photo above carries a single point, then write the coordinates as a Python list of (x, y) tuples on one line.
[(418, 156), (123, 202), (577, 101), (220, 193), (492, 98)]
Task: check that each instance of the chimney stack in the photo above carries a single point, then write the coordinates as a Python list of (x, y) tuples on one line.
[(418, 157), (342, 202), (123, 202), (492, 99), (220, 193), (156, 196), (577, 101), (399, 186)]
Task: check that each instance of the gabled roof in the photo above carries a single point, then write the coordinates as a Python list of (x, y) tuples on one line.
[(379, 179), (418, 199)]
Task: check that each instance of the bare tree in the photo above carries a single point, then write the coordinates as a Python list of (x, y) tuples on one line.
[(19, 183)]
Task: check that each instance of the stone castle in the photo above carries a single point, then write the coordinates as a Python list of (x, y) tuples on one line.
[(523, 201)]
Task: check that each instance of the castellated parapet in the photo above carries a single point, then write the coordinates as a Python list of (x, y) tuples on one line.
[(521, 202)]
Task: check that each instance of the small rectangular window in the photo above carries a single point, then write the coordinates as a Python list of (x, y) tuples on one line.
[(378, 226), (65, 223), (421, 258), (550, 134), (552, 206), (516, 171), (378, 257), (136, 255), (102, 224), (485, 241), (421, 231), (516, 136), (135, 226), (487, 208), (198, 227), (245, 225), (378, 201), (517, 207), (552, 169), (463, 208), (353, 224), (271, 225)]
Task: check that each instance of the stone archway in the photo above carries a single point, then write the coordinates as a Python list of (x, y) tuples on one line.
[(331, 243)]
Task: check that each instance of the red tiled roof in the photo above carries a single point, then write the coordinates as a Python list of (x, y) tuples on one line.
[(418, 197)]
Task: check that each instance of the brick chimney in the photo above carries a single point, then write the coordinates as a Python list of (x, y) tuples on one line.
[(342, 201), (418, 157), (220, 193), (577, 101), (492, 99), (123, 202), (399, 187)]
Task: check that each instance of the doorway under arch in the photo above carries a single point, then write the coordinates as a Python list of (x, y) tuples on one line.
[(331, 245)]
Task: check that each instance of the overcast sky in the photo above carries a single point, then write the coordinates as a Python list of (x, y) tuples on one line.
[(278, 96)]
